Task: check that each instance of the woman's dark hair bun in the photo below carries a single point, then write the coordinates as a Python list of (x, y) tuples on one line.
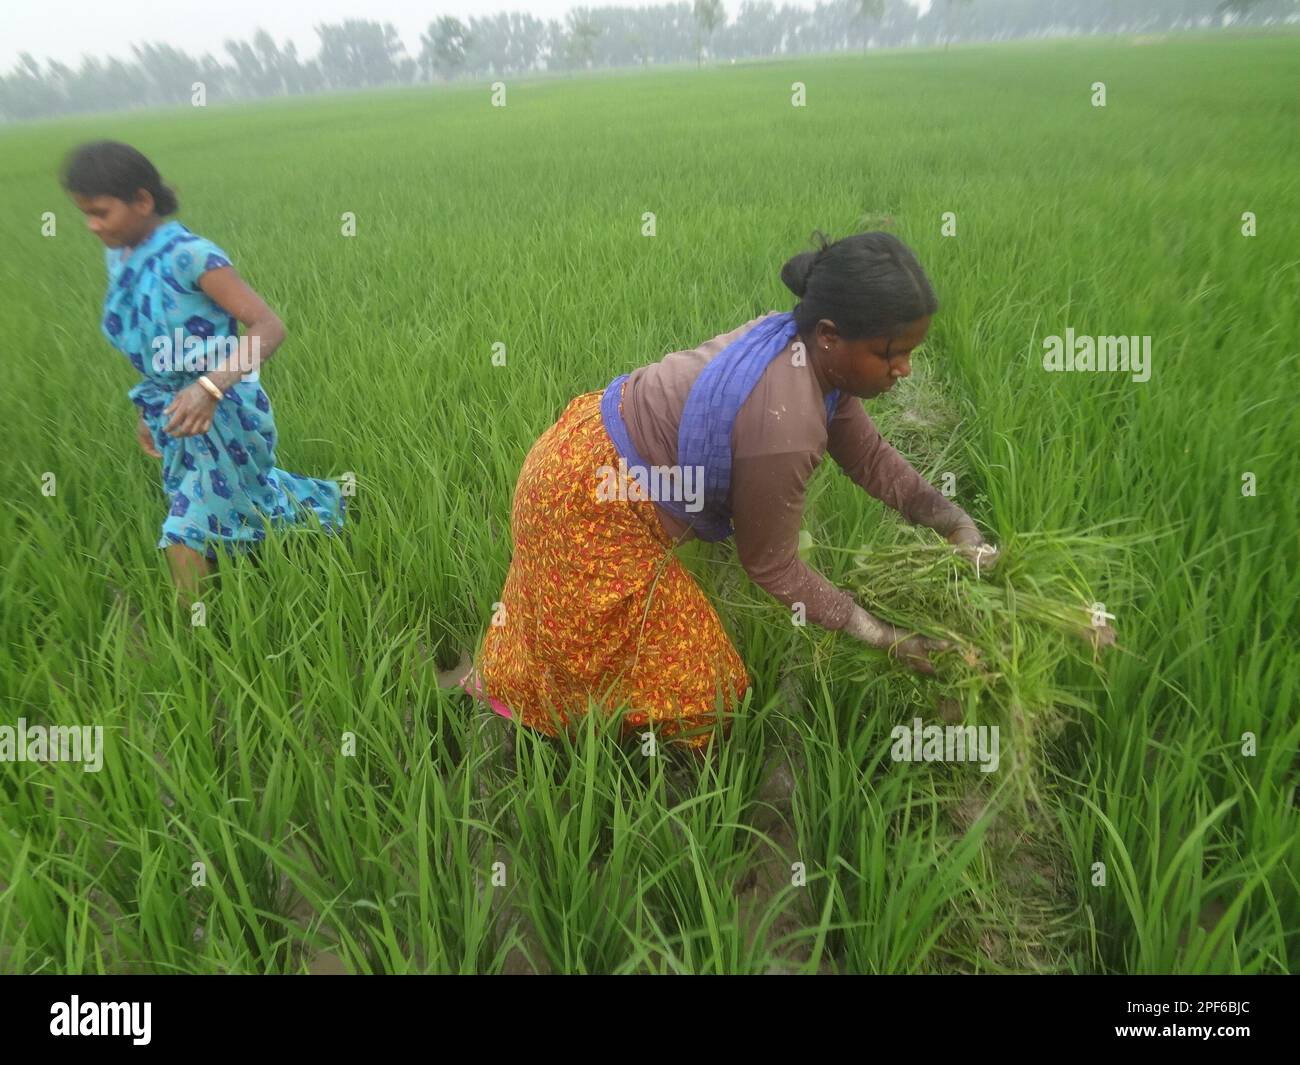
[(868, 284), (110, 168), (797, 270)]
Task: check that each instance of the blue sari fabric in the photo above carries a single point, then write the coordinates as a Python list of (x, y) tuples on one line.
[(223, 485)]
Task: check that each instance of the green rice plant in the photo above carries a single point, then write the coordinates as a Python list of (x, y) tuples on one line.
[(1020, 633)]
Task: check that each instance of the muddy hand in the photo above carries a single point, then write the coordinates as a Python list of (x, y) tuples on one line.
[(971, 546), (191, 412), (912, 650), (915, 650)]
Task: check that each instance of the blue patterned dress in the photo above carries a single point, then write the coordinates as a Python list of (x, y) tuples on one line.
[(223, 485)]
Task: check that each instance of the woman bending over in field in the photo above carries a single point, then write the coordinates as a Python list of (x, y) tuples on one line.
[(213, 430), (595, 602)]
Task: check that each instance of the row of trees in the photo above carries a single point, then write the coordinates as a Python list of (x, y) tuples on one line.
[(358, 53)]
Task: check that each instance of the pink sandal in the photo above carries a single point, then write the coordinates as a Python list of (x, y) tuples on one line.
[(478, 693)]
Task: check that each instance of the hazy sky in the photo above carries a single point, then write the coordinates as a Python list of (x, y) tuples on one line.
[(67, 29)]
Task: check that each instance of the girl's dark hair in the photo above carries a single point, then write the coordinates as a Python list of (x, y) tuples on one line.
[(868, 284), (110, 168)]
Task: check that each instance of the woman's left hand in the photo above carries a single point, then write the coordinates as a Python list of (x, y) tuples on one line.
[(191, 411), (971, 546)]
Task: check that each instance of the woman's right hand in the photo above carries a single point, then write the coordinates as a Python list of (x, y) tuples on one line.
[(970, 544), (915, 651), (912, 650), (145, 437)]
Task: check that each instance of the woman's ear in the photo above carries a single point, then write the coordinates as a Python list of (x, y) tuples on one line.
[(825, 335), (143, 204)]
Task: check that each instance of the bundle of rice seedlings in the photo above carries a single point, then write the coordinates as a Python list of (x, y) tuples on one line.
[(1027, 637)]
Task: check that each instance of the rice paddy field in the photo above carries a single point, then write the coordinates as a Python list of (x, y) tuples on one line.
[(1144, 816)]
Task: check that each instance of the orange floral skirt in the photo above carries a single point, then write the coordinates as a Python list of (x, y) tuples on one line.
[(597, 608)]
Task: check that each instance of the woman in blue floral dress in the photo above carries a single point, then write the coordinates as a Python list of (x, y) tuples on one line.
[(173, 306)]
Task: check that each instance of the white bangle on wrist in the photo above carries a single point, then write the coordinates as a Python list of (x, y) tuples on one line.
[(210, 388)]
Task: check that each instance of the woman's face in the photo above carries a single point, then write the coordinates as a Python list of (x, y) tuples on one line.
[(869, 366), (118, 223)]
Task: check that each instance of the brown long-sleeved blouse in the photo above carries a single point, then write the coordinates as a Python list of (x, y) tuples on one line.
[(778, 441)]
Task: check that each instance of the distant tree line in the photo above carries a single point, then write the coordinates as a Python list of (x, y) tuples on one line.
[(358, 53)]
